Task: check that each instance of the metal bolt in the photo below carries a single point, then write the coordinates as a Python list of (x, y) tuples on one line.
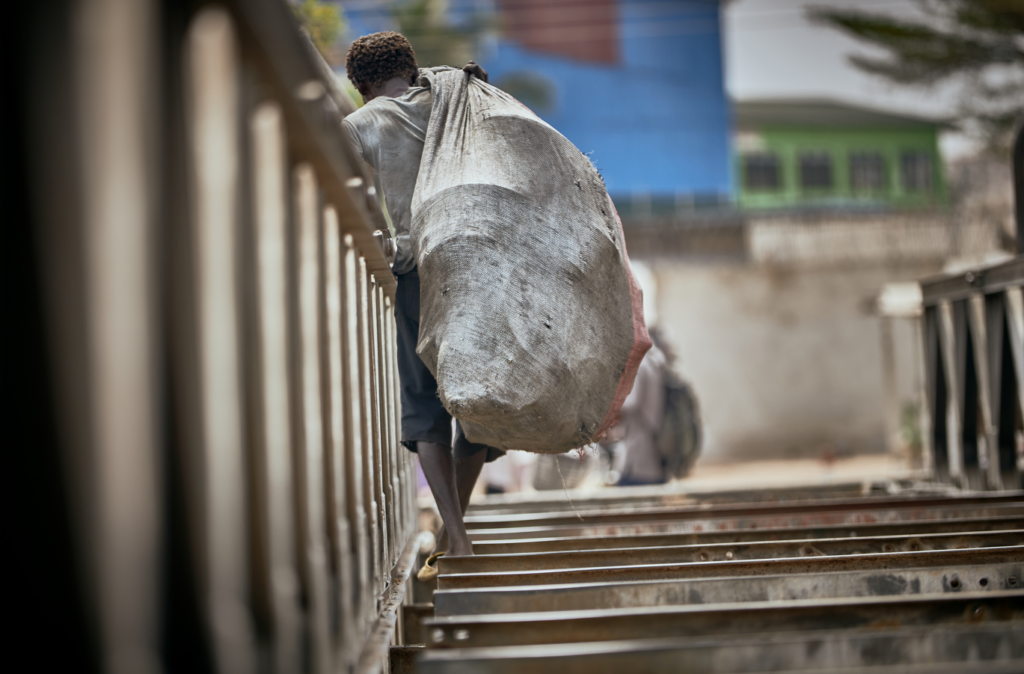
[(437, 636), (728, 555), (461, 635)]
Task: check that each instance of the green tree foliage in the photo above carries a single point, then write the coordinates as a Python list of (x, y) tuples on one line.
[(436, 40), (323, 22), (976, 44)]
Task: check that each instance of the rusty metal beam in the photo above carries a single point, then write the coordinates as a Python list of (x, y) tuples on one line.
[(668, 495), (652, 540), (712, 522), (698, 511), (973, 647), (734, 568), (995, 573), (580, 559), (520, 629), (376, 649)]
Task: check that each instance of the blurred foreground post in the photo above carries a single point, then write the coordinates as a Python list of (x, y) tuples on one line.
[(208, 476)]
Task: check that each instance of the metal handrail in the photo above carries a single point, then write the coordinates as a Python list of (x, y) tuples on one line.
[(974, 365), (219, 343)]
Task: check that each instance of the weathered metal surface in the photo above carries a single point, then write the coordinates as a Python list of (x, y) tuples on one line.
[(672, 495), (996, 575), (652, 540), (712, 521), (741, 567), (378, 641), (626, 514), (402, 659), (413, 616), (581, 559), (975, 646), (694, 620)]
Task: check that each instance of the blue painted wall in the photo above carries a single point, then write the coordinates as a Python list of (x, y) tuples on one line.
[(658, 122)]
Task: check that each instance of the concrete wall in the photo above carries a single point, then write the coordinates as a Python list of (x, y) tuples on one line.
[(786, 361)]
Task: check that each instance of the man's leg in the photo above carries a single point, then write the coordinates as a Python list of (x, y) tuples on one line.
[(451, 482), (467, 472)]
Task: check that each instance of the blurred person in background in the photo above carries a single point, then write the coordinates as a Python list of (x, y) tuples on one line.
[(637, 460)]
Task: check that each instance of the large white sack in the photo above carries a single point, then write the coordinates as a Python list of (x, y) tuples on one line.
[(529, 316)]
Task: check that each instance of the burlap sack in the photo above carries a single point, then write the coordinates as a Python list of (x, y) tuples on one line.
[(529, 316)]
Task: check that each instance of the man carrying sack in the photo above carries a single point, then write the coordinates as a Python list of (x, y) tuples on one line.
[(516, 308), (388, 133)]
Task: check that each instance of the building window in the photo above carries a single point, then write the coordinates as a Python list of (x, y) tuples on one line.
[(761, 171), (867, 171), (916, 171), (815, 170)]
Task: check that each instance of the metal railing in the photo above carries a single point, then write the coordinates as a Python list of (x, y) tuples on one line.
[(217, 344), (974, 366)]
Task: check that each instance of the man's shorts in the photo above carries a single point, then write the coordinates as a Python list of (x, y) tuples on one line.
[(424, 418)]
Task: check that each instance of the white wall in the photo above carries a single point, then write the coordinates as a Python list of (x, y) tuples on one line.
[(785, 361)]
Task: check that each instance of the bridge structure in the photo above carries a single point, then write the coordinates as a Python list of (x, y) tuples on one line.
[(203, 418)]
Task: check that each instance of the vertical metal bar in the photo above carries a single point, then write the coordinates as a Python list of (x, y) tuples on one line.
[(115, 66), (338, 525), (392, 444), (309, 459), (396, 447), (366, 420), (213, 120), (1018, 187), (947, 343), (988, 430), (276, 587), (393, 448), (1015, 322), (381, 423), (354, 437), (374, 419)]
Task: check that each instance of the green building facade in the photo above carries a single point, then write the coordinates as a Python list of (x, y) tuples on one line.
[(810, 154)]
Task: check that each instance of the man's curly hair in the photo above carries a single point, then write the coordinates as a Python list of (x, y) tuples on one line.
[(375, 59)]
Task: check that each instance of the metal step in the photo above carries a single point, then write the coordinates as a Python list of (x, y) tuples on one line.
[(649, 514), (597, 557), (939, 579), (889, 561), (976, 647), (710, 520), (650, 540), (554, 627)]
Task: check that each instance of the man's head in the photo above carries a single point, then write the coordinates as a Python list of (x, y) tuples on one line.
[(375, 59)]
